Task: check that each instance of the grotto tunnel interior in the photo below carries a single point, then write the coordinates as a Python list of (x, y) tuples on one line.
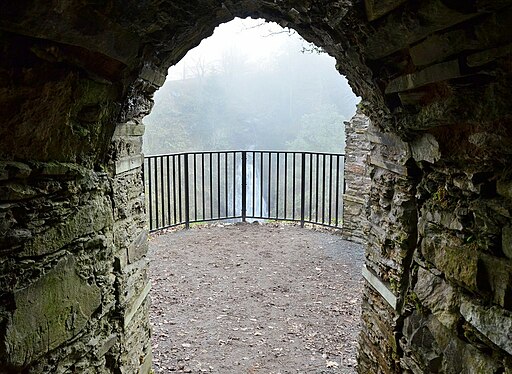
[(76, 79)]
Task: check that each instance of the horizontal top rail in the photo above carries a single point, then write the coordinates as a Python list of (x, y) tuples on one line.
[(240, 151), (203, 186)]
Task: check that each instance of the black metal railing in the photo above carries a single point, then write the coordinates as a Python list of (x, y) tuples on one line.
[(185, 188)]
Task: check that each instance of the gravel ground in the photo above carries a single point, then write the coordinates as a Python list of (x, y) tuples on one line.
[(252, 298)]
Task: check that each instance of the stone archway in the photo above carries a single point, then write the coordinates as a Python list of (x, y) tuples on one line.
[(76, 80)]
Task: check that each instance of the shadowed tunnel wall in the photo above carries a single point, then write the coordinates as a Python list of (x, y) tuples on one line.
[(76, 80)]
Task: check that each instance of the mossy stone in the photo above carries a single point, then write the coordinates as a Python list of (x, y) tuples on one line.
[(49, 312)]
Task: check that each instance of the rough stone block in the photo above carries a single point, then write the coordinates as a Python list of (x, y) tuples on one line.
[(380, 287), (438, 46), (485, 57), (378, 342), (446, 218), (457, 355), (153, 75), (438, 296), (491, 142), (138, 248), (493, 322), (499, 278), (420, 344), (16, 191), (13, 169), (405, 27), (506, 241), (426, 148), (376, 8), (129, 163), (382, 163), (106, 345), (130, 128), (92, 217), (49, 312), (460, 263), (436, 73), (504, 188)]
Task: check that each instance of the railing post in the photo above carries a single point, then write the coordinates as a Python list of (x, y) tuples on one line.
[(302, 189), (244, 186), (187, 197)]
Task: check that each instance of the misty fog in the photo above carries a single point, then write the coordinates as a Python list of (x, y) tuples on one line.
[(251, 86)]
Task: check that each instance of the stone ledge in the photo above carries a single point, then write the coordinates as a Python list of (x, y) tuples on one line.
[(432, 74), (493, 322), (131, 313), (354, 199), (397, 169), (130, 128), (138, 247), (153, 75), (147, 364), (376, 9), (485, 57), (128, 163), (380, 287)]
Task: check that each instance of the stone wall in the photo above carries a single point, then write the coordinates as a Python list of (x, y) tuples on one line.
[(73, 243), (357, 179), (438, 265)]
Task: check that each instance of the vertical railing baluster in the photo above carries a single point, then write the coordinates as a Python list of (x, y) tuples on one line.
[(162, 189), (168, 192), (285, 182), (293, 186), (234, 184), (261, 184), (269, 202), (323, 189), (156, 194), (218, 185), (302, 189), (277, 184), (317, 180), (150, 197), (187, 197), (211, 185), (310, 187), (174, 187), (180, 182), (226, 184), (253, 184), (195, 185), (330, 190), (244, 186), (337, 187), (202, 187)]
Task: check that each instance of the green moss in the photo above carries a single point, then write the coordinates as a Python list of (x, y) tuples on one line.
[(440, 197), (413, 299), (49, 312)]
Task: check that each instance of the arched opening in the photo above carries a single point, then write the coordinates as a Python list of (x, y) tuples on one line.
[(76, 81), (244, 295), (251, 85)]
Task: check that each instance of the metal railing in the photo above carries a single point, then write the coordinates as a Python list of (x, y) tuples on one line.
[(185, 188)]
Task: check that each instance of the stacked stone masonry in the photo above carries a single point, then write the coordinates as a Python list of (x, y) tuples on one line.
[(76, 80), (357, 179)]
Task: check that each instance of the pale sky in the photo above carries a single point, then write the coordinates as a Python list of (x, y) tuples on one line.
[(256, 39)]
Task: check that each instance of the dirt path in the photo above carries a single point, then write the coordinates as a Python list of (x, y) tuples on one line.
[(254, 299)]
